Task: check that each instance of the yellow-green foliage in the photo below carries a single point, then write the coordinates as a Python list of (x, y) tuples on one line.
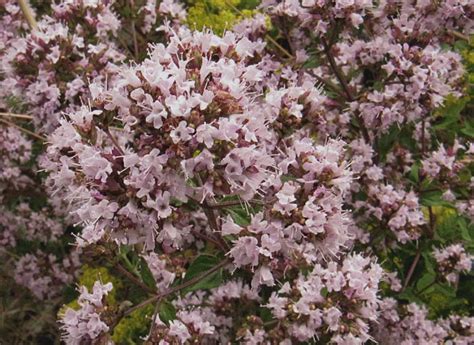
[(218, 15), (467, 52), (130, 328), (469, 56), (88, 277), (441, 213), (91, 274)]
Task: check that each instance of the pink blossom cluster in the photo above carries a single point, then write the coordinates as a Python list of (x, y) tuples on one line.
[(15, 150), (308, 161), (410, 325), (84, 324), (169, 10), (49, 68), (399, 81), (399, 210), (158, 268), (452, 260), (44, 275), (209, 317), (195, 118), (43, 72), (311, 305)]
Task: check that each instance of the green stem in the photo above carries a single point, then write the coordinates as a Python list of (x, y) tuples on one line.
[(172, 290), (28, 13)]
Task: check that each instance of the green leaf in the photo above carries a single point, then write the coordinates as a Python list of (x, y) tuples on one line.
[(410, 296), (446, 290), (200, 265), (468, 129), (311, 63), (287, 178), (434, 199), (386, 142), (464, 229), (166, 311), (239, 216), (146, 274), (265, 314), (450, 113), (429, 262), (415, 172), (427, 279)]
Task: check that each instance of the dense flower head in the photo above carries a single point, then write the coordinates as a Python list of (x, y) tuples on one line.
[(152, 11), (302, 172), (55, 62), (410, 325), (453, 260), (187, 110), (85, 324), (44, 275), (422, 77), (311, 305), (15, 149), (398, 209), (209, 317)]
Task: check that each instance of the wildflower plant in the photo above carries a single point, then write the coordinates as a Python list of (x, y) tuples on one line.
[(299, 174)]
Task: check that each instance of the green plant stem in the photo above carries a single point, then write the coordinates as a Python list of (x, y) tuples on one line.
[(114, 141), (177, 288), (345, 86), (134, 31), (17, 116), (231, 203), (133, 278), (28, 13), (211, 217), (412, 269), (27, 131)]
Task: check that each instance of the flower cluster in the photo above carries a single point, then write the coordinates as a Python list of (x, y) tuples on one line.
[(152, 11), (50, 67), (85, 324), (44, 275), (209, 317), (282, 178), (193, 117), (411, 325), (452, 260), (16, 152), (336, 302), (398, 209)]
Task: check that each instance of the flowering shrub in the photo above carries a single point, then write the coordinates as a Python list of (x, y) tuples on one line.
[(297, 173)]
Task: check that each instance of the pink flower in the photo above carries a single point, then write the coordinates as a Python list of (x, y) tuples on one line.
[(181, 133), (245, 251)]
